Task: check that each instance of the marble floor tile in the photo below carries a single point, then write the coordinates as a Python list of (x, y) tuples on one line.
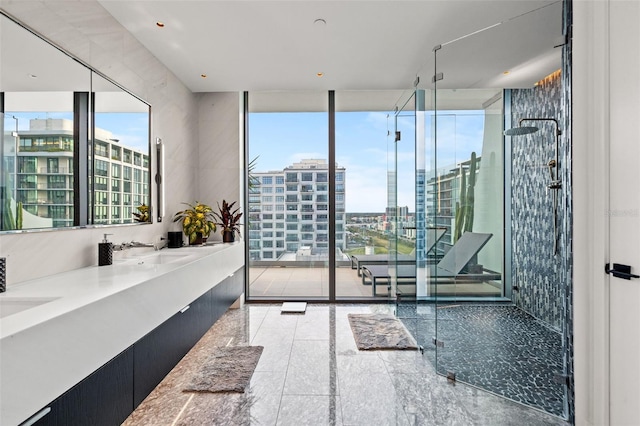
[(266, 389), (370, 399), (311, 373), (361, 363), (300, 410), (313, 325), (277, 350)]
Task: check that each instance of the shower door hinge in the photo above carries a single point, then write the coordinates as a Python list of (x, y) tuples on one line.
[(439, 76), (398, 136), (437, 343)]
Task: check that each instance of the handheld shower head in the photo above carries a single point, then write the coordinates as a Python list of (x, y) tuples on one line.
[(523, 130)]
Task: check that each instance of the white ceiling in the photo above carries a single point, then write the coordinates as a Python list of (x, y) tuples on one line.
[(45, 79), (365, 45)]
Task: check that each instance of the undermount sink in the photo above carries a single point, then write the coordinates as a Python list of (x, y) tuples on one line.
[(157, 258), (14, 305)]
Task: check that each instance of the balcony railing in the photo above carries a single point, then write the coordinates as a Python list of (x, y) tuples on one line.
[(44, 149)]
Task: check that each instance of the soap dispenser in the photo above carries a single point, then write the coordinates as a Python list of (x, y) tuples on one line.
[(105, 252)]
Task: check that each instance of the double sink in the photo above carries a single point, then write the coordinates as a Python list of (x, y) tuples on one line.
[(11, 305)]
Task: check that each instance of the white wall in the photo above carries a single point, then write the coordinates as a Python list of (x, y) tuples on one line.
[(590, 226), (220, 155), (87, 31)]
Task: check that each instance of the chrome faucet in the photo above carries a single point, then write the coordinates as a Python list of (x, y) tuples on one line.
[(134, 244)]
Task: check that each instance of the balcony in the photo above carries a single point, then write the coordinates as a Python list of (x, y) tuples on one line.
[(309, 278)]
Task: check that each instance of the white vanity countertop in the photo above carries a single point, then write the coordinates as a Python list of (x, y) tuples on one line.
[(92, 314)]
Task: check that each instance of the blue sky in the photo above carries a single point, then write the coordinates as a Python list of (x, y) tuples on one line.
[(363, 148), (131, 129)]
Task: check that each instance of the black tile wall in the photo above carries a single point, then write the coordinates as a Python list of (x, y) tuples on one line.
[(537, 272), (544, 280), (567, 327)]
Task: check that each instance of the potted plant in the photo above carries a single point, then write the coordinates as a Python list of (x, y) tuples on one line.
[(142, 215), (197, 222), (229, 220)]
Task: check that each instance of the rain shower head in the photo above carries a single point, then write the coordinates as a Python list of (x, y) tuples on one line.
[(554, 163), (523, 130)]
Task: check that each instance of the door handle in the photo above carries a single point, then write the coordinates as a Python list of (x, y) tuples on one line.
[(620, 271)]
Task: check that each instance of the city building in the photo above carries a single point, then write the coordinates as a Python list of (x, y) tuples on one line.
[(43, 178), (289, 211)]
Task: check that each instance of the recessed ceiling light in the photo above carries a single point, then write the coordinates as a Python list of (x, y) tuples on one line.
[(320, 74), (33, 76), (160, 24), (506, 72), (320, 22), (203, 75)]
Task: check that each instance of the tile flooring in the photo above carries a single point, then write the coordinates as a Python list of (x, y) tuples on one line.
[(499, 348), (311, 373)]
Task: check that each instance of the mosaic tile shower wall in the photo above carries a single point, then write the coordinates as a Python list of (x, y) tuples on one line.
[(538, 273)]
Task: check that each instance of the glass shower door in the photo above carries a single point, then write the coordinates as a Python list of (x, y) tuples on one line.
[(501, 336)]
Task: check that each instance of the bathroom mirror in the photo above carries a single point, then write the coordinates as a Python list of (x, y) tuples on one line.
[(121, 165), (37, 86), (57, 170)]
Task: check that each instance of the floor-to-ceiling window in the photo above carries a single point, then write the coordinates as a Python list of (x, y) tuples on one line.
[(373, 206), (292, 192), (288, 205), (374, 185)]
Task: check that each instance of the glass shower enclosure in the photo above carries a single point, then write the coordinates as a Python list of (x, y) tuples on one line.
[(468, 298)]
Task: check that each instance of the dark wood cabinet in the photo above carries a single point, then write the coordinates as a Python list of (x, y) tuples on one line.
[(157, 353), (105, 398), (111, 393)]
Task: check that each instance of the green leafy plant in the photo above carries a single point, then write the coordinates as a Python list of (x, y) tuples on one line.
[(197, 219), (142, 215), (228, 218), (253, 180)]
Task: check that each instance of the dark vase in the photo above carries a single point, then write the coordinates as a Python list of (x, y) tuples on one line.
[(227, 236), (198, 241)]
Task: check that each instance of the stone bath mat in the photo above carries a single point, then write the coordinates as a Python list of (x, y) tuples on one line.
[(229, 370), (380, 331)]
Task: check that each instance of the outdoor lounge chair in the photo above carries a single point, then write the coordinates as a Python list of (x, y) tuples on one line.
[(357, 260), (449, 268)]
